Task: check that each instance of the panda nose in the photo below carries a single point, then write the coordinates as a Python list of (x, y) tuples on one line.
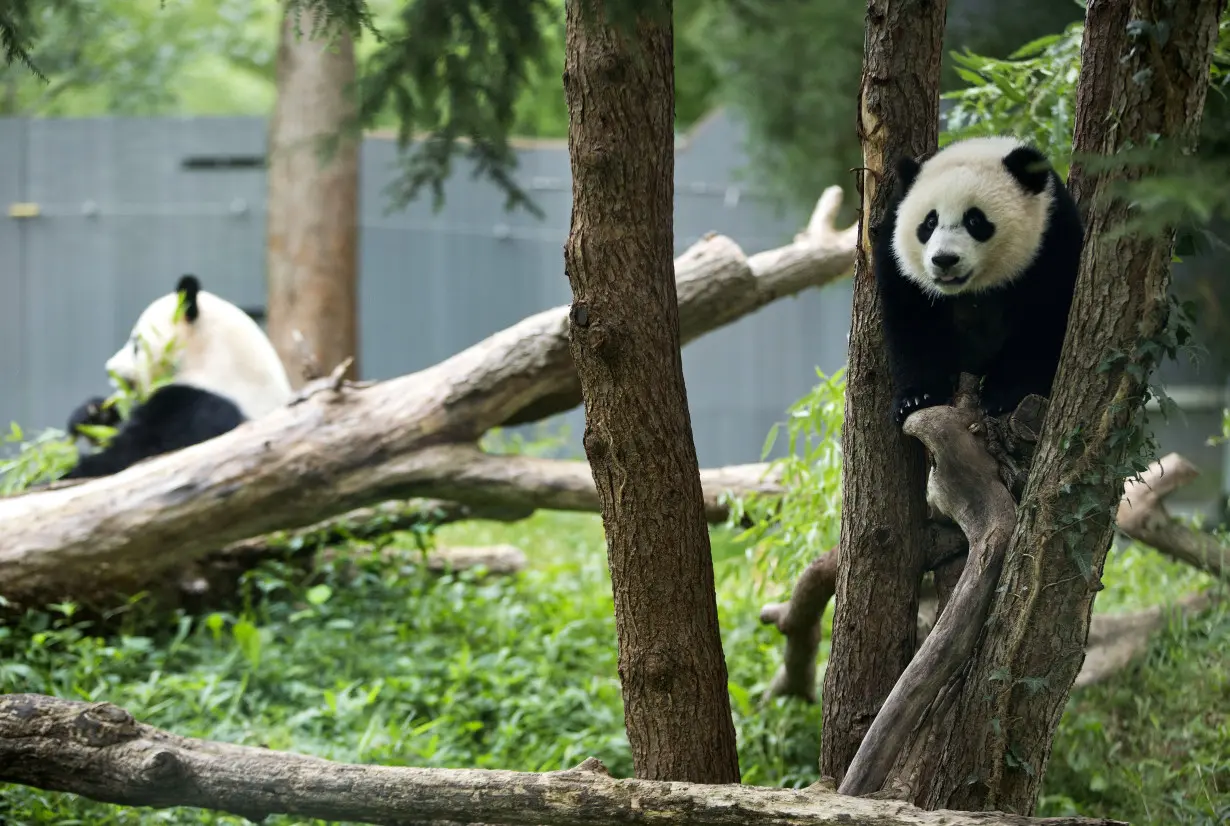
[(945, 260)]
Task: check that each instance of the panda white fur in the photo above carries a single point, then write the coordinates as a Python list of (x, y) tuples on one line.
[(976, 264), (224, 371)]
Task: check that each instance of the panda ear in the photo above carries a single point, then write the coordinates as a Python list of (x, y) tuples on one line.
[(1030, 168), (907, 172), (188, 287)]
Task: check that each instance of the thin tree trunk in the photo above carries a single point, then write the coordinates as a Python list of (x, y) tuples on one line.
[(1132, 87), (625, 342), (312, 232), (883, 471)]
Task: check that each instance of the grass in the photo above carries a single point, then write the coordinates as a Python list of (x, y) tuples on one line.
[(403, 668)]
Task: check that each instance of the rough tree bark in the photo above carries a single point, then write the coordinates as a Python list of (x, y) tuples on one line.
[(1133, 86), (355, 447), (883, 471), (312, 221), (625, 340), (99, 751)]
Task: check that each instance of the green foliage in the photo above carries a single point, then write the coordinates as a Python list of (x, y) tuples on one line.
[(43, 458), (456, 671), (1224, 436), (455, 69), (792, 69), (1032, 95), (1152, 746), (331, 17), (791, 531), (105, 57)]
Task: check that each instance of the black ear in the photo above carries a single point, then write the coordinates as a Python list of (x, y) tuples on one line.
[(907, 172), (1030, 167), (188, 287)]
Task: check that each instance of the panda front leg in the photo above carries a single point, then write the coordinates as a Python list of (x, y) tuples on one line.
[(1022, 368), (922, 370), (921, 356)]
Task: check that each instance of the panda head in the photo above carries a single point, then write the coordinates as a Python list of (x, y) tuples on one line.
[(197, 338), (972, 217)]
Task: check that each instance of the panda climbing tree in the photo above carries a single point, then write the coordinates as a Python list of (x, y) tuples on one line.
[(202, 366), (976, 265)]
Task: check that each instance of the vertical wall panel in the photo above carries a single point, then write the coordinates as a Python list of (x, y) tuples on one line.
[(14, 377)]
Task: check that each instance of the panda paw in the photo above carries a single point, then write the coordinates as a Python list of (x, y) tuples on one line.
[(911, 402)]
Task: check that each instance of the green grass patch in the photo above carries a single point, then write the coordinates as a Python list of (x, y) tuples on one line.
[(400, 667)]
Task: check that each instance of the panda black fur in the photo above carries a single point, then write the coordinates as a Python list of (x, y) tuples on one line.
[(94, 411), (976, 264), (225, 372)]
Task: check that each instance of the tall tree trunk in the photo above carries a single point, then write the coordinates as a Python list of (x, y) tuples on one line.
[(624, 339), (312, 217), (883, 472), (1132, 87)]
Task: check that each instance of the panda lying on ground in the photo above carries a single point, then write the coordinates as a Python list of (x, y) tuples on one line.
[(976, 264), (225, 372)]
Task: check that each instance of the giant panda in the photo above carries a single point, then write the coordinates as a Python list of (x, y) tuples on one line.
[(975, 264), (93, 411), (223, 371)]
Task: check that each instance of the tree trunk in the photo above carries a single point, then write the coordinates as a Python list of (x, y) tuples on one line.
[(1132, 87), (625, 342), (883, 471), (312, 219)]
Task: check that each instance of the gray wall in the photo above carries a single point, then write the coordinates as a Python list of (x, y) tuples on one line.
[(121, 218), (128, 204)]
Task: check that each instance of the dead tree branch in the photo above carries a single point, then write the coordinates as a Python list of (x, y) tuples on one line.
[(964, 486), (1117, 639), (99, 751), (1142, 516), (336, 451), (798, 619)]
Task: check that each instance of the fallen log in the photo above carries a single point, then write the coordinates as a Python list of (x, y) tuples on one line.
[(1115, 640), (99, 751), (516, 486), (348, 447), (1142, 516)]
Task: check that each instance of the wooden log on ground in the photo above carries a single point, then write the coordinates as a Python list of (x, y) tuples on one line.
[(99, 751), (1142, 516), (348, 447), (1115, 640)]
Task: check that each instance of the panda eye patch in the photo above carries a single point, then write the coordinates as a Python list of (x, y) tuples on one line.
[(928, 226), (977, 225)]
